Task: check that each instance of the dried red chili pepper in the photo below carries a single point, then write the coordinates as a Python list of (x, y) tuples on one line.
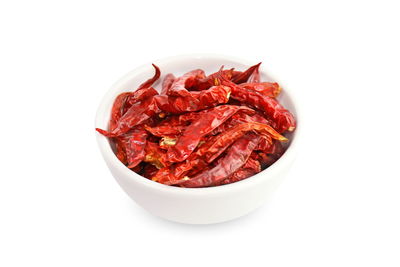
[(137, 114), (120, 150), (178, 87), (173, 125), (118, 109), (265, 88), (196, 101), (250, 168), (199, 128), (283, 119), (217, 145), (225, 139), (135, 142), (211, 80), (244, 76), (140, 95), (152, 80), (167, 82), (127, 149), (144, 90), (235, 158), (238, 118)]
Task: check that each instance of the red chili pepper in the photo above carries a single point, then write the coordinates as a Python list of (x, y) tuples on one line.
[(173, 125), (244, 76), (178, 87), (167, 82), (235, 158), (217, 145), (196, 101), (150, 81), (250, 168), (135, 146), (165, 176), (118, 109), (283, 119), (238, 118), (140, 95), (265, 88), (137, 114), (211, 80), (199, 128), (145, 90), (225, 139), (120, 150)]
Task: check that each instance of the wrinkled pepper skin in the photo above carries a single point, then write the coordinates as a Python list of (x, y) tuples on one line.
[(235, 158), (265, 88), (250, 168), (118, 109), (167, 82), (283, 119), (194, 101), (180, 85), (199, 128), (135, 148), (137, 114)]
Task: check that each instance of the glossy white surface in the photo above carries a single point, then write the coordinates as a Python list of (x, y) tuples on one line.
[(194, 205)]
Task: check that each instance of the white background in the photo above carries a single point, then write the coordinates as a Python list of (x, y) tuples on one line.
[(60, 206)]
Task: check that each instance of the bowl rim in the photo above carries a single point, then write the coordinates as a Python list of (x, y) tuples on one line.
[(272, 170)]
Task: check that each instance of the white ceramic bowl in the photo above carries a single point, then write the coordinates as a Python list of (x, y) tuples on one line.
[(193, 205)]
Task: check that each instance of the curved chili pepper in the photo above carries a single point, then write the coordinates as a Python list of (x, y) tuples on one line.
[(235, 158), (140, 95), (178, 87), (196, 101), (199, 128), (238, 118), (265, 88), (225, 139), (217, 145), (150, 81), (137, 114), (167, 82), (283, 119), (244, 76), (211, 80), (118, 109)]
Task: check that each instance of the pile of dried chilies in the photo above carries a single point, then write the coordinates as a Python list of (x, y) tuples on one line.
[(200, 130)]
